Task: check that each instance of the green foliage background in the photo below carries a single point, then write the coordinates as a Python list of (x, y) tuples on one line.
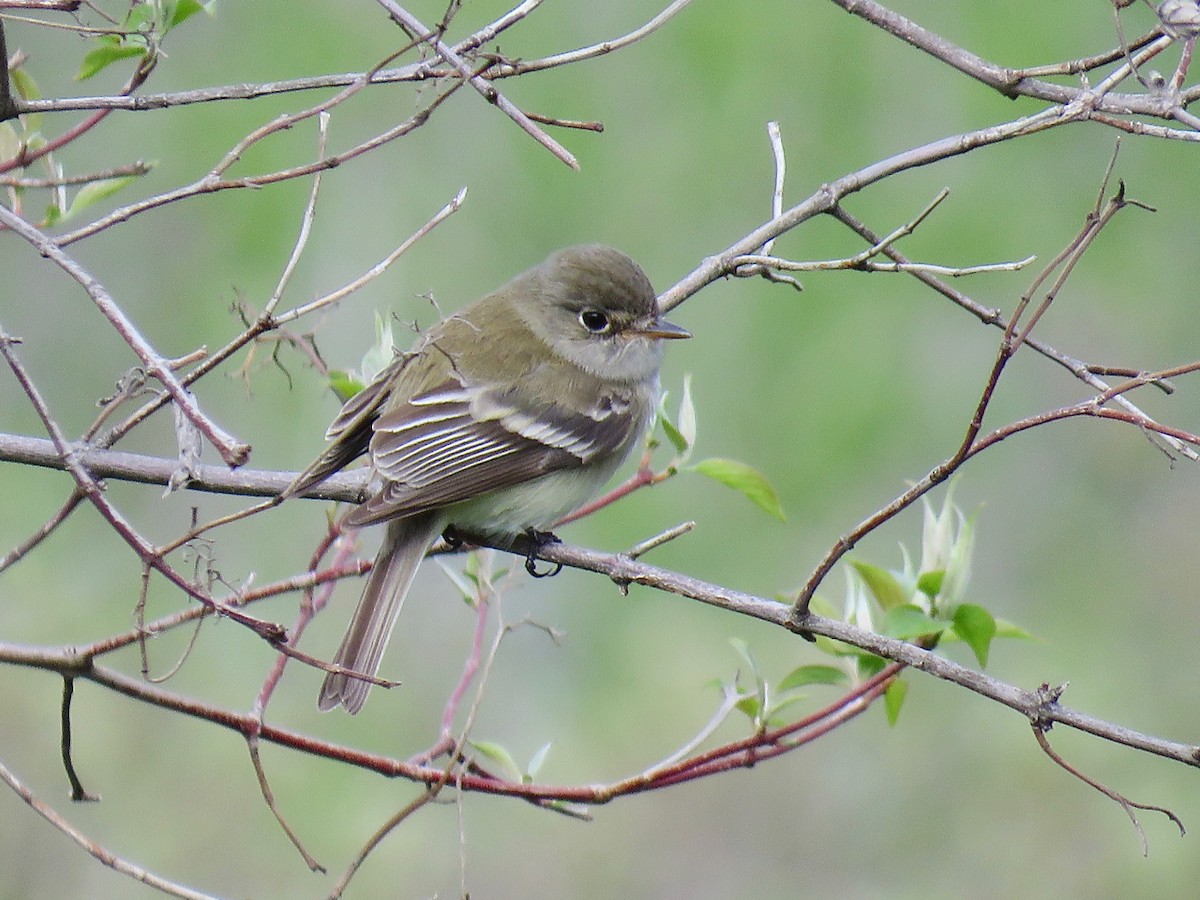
[(840, 394)]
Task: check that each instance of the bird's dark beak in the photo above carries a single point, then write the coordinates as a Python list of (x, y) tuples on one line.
[(660, 329)]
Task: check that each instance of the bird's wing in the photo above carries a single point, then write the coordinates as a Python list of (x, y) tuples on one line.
[(457, 442), (350, 432)]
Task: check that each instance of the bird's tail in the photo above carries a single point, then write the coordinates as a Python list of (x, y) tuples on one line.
[(405, 544)]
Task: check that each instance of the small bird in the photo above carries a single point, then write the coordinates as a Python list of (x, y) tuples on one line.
[(501, 420)]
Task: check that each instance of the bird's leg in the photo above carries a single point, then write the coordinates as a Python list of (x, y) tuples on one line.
[(537, 540)]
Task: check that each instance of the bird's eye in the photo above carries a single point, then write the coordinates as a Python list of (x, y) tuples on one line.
[(594, 321)]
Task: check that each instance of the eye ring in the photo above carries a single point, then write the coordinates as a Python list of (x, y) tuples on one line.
[(595, 321)]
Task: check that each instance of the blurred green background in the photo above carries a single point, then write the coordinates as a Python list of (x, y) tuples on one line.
[(840, 395)]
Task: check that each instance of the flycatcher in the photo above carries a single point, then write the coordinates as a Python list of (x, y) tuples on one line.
[(500, 421)]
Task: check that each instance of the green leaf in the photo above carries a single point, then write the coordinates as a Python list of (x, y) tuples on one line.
[(1007, 629), (741, 477), (823, 607), (776, 720), (930, 583), (467, 591), (907, 622), (975, 625), (687, 418), (182, 11), (674, 435), (813, 674), (382, 352), (501, 757), (869, 664), (104, 56), (751, 707), (884, 586), (95, 191), (893, 699), (53, 216), (344, 384), (24, 84), (10, 144), (755, 705), (140, 16), (535, 764)]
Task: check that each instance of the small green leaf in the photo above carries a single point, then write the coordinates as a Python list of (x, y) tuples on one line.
[(869, 665), (678, 441), (140, 16), (813, 674), (53, 216), (893, 699), (884, 586), (181, 12), (24, 84), (382, 352), (907, 622), (751, 707), (95, 191), (741, 477), (10, 144), (743, 650), (776, 721), (975, 625), (104, 56), (501, 757), (930, 583), (687, 419), (535, 764), (344, 384), (1007, 629), (467, 591)]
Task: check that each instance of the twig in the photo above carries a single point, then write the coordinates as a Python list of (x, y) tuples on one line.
[(87, 485), (1039, 731), (379, 268), (105, 856), (264, 787), (78, 793), (592, 51), (133, 169), (643, 547), (22, 549), (306, 219), (485, 89), (989, 316), (234, 452), (213, 181)]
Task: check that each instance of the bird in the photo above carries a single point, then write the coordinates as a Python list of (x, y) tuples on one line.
[(501, 420)]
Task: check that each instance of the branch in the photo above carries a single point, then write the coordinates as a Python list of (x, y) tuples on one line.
[(234, 452), (345, 487), (485, 89)]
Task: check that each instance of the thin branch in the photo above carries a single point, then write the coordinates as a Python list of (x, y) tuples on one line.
[(306, 219), (133, 169), (379, 268), (991, 316), (22, 549), (213, 182), (234, 452), (137, 467), (87, 485), (1120, 799), (485, 89), (78, 793), (103, 855), (592, 51)]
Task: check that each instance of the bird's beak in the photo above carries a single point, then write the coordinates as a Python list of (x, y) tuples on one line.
[(660, 329)]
